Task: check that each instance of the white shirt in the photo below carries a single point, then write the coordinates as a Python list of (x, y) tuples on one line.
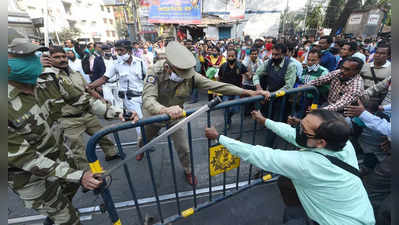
[(131, 76), (76, 66), (108, 64), (387, 64)]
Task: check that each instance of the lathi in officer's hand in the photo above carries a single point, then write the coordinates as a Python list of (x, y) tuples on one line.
[(174, 112), (257, 115), (91, 181)]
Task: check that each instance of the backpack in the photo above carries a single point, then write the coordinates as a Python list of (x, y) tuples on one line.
[(86, 64)]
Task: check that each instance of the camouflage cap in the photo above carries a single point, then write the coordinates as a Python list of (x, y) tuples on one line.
[(181, 58), (20, 45)]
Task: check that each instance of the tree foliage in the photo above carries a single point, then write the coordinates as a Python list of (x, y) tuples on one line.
[(314, 18), (334, 9), (350, 6)]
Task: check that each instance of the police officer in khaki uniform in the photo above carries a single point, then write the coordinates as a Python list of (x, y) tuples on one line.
[(39, 169), (75, 122), (166, 87)]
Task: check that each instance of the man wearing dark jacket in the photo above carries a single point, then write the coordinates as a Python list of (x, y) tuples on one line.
[(327, 60), (98, 65)]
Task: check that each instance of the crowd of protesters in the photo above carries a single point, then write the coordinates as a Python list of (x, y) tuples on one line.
[(352, 75)]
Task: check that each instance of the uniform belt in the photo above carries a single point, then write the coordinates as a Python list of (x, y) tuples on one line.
[(73, 116), (111, 82)]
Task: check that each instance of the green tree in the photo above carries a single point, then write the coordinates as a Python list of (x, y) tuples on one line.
[(334, 9), (314, 18), (350, 6)]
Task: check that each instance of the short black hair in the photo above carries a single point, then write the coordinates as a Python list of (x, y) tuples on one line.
[(356, 60), (352, 46), (334, 50), (385, 46), (329, 39), (231, 50), (254, 50), (333, 129), (56, 49), (97, 43), (315, 51), (126, 44), (281, 47)]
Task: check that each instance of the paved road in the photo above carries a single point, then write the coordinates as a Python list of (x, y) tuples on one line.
[(164, 182)]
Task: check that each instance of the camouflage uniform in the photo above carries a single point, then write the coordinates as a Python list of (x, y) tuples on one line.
[(174, 93), (40, 171), (74, 123)]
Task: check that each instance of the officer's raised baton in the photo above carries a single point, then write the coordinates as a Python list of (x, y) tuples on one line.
[(168, 132)]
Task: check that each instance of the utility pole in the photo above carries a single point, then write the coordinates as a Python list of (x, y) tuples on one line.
[(135, 26), (45, 17)]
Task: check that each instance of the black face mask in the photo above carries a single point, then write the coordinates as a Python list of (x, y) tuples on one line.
[(231, 61), (108, 55), (301, 138), (277, 61), (344, 79)]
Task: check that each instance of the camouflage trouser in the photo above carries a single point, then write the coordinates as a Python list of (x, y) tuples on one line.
[(49, 198), (73, 132), (179, 138)]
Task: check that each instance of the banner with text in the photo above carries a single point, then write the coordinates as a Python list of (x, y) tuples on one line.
[(175, 11)]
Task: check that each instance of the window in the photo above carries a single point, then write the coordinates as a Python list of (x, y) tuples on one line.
[(107, 33), (113, 33), (109, 9), (105, 20), (102, 8), (111, 21)]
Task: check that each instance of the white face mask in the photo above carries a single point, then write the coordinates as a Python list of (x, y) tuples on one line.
[(124, 57), (176, 78)]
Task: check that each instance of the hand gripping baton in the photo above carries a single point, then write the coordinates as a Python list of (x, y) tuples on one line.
[(168, 132)]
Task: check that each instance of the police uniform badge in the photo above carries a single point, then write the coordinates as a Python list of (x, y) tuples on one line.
[(151, 79)]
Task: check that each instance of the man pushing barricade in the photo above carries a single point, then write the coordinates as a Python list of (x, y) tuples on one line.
[(168, 84), (324, 171), (40, 170)]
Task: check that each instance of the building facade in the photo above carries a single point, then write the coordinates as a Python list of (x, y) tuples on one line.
[(92, 18)]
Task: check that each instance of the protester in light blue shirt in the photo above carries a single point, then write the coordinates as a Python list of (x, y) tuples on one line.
[(329, 194)]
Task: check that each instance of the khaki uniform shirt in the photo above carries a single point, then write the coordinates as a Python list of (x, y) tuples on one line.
[(35, 143), (159, 91)]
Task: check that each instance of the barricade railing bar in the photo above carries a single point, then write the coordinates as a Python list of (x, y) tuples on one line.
[(104, 191)]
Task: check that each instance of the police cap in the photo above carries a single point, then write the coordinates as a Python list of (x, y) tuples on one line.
[(181, 58)]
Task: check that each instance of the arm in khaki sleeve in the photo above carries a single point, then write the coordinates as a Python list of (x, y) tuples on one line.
[(290, 77), (24, 156), (150, 95), (261, 71), (216, 86), (85, 102)]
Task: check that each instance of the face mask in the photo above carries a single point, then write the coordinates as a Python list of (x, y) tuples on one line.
[(125, 57), (314, 67), (25, 69), (39, 54), (277, 61), (269, 46), (344, 79), (109, 55), (215, 54), (92, 51), (231, 61), (301, 138), (176, 78)]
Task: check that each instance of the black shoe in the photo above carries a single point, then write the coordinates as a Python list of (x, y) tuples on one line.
[(109, 158), (48, 221)]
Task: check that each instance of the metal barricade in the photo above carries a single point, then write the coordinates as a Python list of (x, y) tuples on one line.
[(241, 183)]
